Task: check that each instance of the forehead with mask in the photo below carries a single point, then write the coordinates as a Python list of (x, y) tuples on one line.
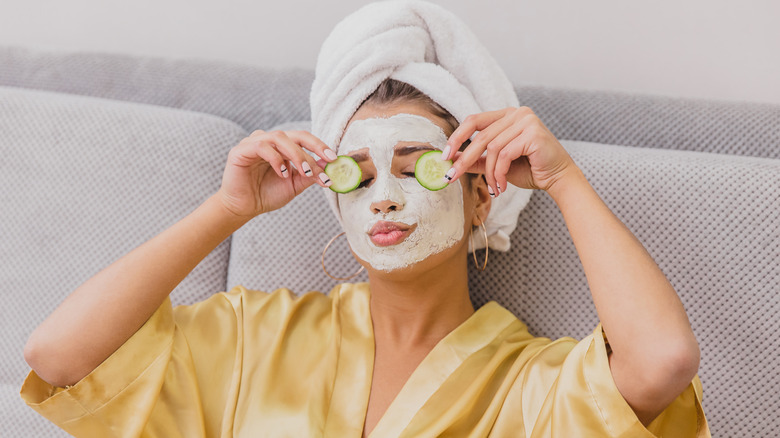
[(433, 220)]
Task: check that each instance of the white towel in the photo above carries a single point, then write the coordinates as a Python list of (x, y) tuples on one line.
[(426, 46)]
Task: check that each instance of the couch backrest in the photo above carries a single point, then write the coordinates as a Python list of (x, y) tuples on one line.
[(253, 98), (661, 122), (258, 98), (87, 179)]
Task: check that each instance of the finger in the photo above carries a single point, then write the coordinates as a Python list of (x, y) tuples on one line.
[(478, 146), (495, 148), (465, 159), (287, 168), (324, 154), (524, 133), (477, 167), (495, 137), (250, 152), (469, 126), (302, 161), (290, 150), (514, 152), (300, 182), (323, 176), (310, 142), (490, 165)]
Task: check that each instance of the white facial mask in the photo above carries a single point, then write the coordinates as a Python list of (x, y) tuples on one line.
[(438, 214)]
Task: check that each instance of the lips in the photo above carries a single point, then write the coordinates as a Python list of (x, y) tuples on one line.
[(385, 233)]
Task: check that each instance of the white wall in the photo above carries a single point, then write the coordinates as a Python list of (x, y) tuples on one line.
[(710, 49)]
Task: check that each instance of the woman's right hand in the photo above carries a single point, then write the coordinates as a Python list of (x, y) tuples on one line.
[(259, 178)]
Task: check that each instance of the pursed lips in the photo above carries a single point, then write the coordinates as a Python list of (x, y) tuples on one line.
[(386, 233)]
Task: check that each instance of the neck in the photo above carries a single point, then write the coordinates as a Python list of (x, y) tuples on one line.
[(419, 309)]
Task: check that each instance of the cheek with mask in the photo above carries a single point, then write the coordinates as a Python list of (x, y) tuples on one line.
[(431, 221)]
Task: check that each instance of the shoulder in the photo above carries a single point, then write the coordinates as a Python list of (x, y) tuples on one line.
[(546, 358), (514, 334), (280, 307), (538, 361)]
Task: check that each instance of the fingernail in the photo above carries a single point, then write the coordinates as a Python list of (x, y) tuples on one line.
[(284, 171), (445, 153), (450, 173), (490, 190), (498, 187), (330, 154), (324, 178), (306, 168)]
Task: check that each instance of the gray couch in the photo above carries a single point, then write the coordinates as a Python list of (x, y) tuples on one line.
[(101, 152)]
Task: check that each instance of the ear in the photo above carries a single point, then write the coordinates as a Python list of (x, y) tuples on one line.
[(482, 200)]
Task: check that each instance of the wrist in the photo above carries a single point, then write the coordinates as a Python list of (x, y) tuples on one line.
[(222, 215), (570, 181)]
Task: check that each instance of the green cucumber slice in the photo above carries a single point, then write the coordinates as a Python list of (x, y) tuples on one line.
[(430, 170), (345, 174)]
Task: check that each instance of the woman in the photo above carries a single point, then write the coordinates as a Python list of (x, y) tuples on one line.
[(405, 354)]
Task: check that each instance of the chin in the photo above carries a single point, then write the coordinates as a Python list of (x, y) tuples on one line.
[(390, 265)]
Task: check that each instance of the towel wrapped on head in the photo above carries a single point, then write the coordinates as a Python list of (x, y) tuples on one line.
[(428, 47)]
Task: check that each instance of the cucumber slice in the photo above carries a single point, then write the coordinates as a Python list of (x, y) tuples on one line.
[(430, 170), (345, 174)]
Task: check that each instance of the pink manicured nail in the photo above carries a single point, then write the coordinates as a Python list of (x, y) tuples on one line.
[(450, 173), (445, 153), (306, 169), (330, 154), (325, 180)]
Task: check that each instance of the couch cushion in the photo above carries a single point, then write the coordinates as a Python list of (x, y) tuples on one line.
[(84, 181), (710, 221)]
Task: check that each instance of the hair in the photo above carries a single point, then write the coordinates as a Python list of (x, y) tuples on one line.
[(392, 92)]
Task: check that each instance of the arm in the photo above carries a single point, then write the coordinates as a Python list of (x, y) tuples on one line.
[(105, 311), (654, 352), (100, 315)]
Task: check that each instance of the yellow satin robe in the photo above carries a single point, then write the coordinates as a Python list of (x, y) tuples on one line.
[(253, 364)]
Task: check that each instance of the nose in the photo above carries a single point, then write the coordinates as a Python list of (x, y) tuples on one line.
[(385, 206), (387, 194)]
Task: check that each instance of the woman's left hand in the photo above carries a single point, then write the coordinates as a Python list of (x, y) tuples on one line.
[(520, 150)]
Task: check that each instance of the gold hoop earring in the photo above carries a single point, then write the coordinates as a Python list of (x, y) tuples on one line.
[(474, 249), (322, 259)]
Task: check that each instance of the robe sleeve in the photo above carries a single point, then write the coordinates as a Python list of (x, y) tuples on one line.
[(582, 398), (174, 377)]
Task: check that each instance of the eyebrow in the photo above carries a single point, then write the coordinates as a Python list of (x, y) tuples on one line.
[(360, 156), (406, 150), (402, 151)]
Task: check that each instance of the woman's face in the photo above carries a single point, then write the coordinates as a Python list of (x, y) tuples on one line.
[(391, 221)]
